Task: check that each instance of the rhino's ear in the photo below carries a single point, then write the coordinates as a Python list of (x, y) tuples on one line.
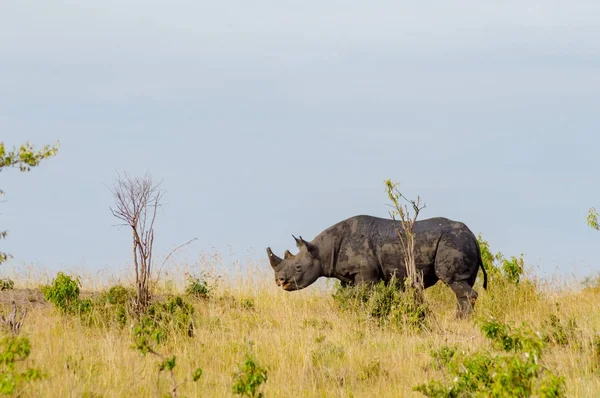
[(273, 259), (287, 255), (312, 249)]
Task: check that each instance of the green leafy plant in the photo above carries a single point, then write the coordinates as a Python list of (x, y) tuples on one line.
[(197, 287), (443, 355), (249, 378), (63, 292), (112, 307), (118, 294), (6, 284), (592, 219), (499, 267), (24, 159), (387, 304), (153, 329), (517, 371), (558, 332), (14, 351)]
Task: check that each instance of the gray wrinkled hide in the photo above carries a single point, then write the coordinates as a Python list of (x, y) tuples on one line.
[(367, 249)]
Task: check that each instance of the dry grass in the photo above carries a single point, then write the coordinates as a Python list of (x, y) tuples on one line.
[(310, 347)]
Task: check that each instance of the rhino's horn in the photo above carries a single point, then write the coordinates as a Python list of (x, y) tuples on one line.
[(273, 259), (287, 255)]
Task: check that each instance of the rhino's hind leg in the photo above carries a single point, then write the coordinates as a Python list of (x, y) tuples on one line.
[(465, 296)]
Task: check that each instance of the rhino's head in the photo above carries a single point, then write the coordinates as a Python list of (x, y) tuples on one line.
[(295, 272)]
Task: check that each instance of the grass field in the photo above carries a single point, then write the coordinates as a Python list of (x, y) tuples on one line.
[(309, 346)]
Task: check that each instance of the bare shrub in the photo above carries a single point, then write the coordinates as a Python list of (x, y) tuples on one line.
[(137, 201), (406, 235)]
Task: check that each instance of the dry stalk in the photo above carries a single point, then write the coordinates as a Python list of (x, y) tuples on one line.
[(407, 239), (11, 323)]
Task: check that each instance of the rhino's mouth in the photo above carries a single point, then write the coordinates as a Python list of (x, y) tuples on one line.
[(287, 286)]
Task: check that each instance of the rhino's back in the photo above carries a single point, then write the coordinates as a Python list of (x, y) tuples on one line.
[(369, 233), (387, 228)]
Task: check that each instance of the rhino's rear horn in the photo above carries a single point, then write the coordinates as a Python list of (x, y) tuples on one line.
[(287, 255), (273, 259)]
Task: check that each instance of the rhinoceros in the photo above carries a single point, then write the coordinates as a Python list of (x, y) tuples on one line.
[(367, 249)]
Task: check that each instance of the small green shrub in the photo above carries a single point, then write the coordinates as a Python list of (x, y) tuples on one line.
[(499, 267), (197, 287), (443, 356), (161, 320), (516, 371), (63, 292), (112, 307), (154, 328), (561, 333), (7, 284), (118, 295), (386, 303), (249, 378), (14, 351), (173, 316)]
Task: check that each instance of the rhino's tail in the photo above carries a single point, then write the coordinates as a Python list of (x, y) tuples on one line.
[(485, 278)]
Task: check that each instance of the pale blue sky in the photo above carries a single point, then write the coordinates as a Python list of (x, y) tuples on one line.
[(270, 118)]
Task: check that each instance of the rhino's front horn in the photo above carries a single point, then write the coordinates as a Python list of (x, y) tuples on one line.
[(273, 259), (287, 255)]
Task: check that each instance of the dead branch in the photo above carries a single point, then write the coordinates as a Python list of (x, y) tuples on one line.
[(170, 254), (11, 323)]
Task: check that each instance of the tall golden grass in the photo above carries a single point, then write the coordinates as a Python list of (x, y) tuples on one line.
[(309, 346)]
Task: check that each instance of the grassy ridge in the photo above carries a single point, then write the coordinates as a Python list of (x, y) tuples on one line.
[(310, 347)]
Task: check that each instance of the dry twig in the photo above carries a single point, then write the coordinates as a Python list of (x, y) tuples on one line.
[(11, 323)]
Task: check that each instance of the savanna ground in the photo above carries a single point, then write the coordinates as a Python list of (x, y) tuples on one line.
[(309, 345)]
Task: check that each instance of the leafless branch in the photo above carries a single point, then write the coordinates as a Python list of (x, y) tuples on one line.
[(137, 201), (170, 254), (11, 323)]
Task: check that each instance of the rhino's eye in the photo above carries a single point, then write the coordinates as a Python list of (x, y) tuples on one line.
[(298, 268)]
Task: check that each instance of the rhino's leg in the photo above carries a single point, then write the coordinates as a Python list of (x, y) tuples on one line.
[(465, 296)]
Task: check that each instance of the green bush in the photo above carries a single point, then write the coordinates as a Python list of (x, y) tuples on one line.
[(197, 287), (63, 292), (498, 267), (13, 352), (162, 320), (516, 371), (118, 295), (249, 378), (6, 284), (154, 328), (386, 303), (111, 308), (558, 332)]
